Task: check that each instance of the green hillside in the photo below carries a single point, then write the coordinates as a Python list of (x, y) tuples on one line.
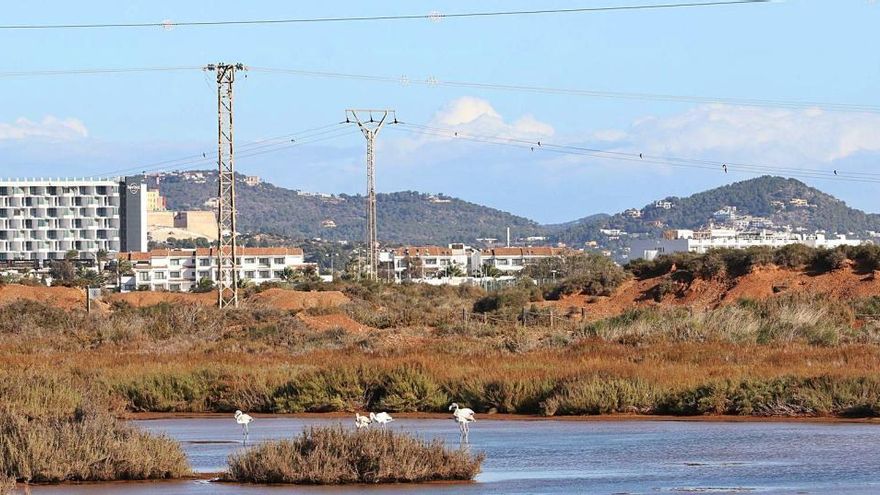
[(767, 196), (404, 217)]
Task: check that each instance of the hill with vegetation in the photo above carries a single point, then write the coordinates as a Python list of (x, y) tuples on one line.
[(404, 217), (783, 202)]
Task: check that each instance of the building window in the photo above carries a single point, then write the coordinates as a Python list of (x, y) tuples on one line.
[(249, 274), (205, 262), (279, 261), (144, 276), (160, 275), (175, 261), (175, 274), (205, 274), (501, 262), (279, 274), (250, 261), (517, 262), (264, 273), (175, 287), (430, 261), (264, 261)]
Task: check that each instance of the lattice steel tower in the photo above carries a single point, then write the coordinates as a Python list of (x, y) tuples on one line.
[(370, 128), (227, 260)]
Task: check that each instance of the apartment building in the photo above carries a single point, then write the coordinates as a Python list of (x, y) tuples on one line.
[(425, 262), (181, 270), (44, 219), (513, 259), (681, 241)]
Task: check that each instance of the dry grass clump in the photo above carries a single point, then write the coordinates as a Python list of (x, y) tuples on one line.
[(7, 484), (811, 320), (53, 431), (335, 455)]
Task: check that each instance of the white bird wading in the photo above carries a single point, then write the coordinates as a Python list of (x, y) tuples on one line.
[(383, 418), (361, 421), (244, 420), (463, 416)]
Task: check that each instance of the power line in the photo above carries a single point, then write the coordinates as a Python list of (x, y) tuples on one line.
[(714, 163), (253, 148), (432, 81), (435, 82), (641, 158), (433, 16), (117, 70)]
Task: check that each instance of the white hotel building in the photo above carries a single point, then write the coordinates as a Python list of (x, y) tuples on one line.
[(181, 270), (682, 241), (43, 219)]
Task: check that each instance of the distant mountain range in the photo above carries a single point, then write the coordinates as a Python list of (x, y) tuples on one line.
[(417, 218)]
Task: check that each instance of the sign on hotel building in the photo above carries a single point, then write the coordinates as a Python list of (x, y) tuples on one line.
[(44, 219)]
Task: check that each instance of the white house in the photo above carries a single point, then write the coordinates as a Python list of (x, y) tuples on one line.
[(181, 270)]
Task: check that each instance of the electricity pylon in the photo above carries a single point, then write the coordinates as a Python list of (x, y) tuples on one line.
[(370, 129), (227, 259)]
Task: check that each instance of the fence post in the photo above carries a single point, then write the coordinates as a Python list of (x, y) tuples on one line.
[(523, 317), (551, 318)]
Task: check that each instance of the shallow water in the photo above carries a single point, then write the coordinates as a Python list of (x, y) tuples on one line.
[(602, 457)]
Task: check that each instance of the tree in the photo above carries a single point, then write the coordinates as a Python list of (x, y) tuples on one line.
[(415, 267), (62, 272), (204, 285), (71, 255), (493, 271), (452, 270)]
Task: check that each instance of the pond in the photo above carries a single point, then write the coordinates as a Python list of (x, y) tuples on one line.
[(550, 456)]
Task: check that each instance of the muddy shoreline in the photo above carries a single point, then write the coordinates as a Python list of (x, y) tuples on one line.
[(145, 416)]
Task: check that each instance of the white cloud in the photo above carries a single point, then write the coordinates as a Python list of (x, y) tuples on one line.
[(477, 116), (51, 128), (782, 136)]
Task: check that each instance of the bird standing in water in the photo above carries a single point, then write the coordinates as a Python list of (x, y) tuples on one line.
[(383, 418), (244, 420), (361, 421), (463, 416)]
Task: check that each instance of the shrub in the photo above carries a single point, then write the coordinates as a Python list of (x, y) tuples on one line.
[(829, 260), (337, 389), (334, 455), (590, 274), (88, 447), (596, 395), (794, 256), (53, 431), (410, 389)]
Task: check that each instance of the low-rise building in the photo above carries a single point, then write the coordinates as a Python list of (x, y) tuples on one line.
[(424, 262), (681, 241), (182, 269)]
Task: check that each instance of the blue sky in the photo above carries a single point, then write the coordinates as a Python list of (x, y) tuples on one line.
[(794, 50)]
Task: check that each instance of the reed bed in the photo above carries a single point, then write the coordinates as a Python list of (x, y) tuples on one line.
[(785, 356), (335, 455), (55, 429)]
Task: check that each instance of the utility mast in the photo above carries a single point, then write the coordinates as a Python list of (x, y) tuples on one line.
[(227, 260), (370, 128)]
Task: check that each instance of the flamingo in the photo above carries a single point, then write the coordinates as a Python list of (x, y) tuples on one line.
[(361, 421), (463, 416), (244, 420), (383, 418)]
